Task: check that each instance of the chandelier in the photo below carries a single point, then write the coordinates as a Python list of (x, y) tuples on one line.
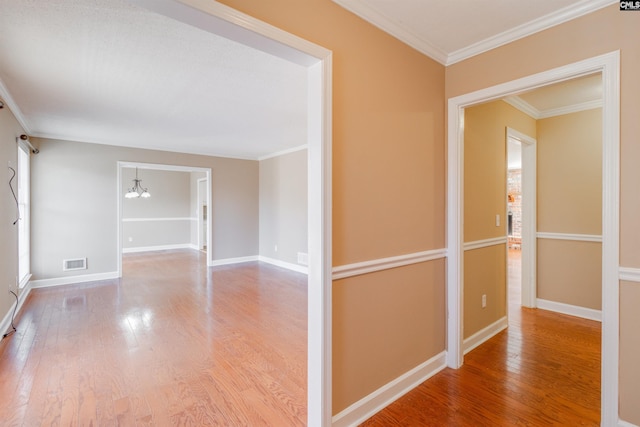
[(137, 190)]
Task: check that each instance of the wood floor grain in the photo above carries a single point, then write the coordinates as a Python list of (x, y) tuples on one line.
[(544, 370), (172, 343)]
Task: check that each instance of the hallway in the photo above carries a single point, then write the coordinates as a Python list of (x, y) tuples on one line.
[(543, 370)]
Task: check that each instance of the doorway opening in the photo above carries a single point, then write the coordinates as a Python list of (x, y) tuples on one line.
[(608, 66)]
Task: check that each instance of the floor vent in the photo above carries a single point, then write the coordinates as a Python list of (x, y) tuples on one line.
[(74, 264)]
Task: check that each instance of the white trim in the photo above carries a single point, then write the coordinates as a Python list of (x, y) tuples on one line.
[(478, 244), (528, 280), (484, 334), (371, 15), (390, 392), (522, 105), (288, 265), (159, 219), (22, 297), (609, 65), (159, 248), (13, 106), (572, 237), (540, 24), (70, 280), (25, 281), (283, 152), (397, 30), (629, 274), (622, 423), (569, 109), (571, 310), (229, 261), (371, 266)]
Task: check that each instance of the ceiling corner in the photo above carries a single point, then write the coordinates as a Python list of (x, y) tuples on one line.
[(5, 95)]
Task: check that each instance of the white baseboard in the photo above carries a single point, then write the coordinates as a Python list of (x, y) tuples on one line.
[(572, 310), (68, 280), (368, 406), (289, 266), (227, 261), (158, 248), (484, 335), (622, 423), (22, 297)]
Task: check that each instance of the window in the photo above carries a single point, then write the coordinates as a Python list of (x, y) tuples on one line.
[(24, 244)]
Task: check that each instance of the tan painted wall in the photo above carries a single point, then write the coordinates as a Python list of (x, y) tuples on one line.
[(485, 272), (485, 195), (600, 32), (400, 328), (10, 129), (569, 159), (570, 272), (569, 184), (388, 188), (629, 349)]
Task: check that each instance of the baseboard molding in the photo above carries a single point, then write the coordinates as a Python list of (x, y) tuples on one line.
[(158, 248), (228, 261), (368, 406), (622, 423), (289, 266), (69, 280), (484, 335), (571, 310), (22, 297)]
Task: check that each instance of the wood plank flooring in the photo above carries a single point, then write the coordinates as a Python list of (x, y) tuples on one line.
[(544, 370), (171, 343)]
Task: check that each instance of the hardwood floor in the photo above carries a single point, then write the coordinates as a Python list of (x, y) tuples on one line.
[(171, 343), (544, 370)]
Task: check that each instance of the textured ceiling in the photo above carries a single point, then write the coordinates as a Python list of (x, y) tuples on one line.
[(106, 71)]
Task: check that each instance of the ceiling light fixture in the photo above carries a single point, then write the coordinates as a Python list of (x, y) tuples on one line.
[(137, 190)]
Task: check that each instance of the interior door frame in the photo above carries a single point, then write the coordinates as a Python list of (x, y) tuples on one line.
[(609, 67), (199, 220), (529, 226), (227, 22)]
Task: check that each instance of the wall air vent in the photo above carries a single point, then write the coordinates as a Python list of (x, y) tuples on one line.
[(74, 264)]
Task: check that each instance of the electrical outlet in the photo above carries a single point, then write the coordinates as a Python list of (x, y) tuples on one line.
[(275, 248), (303, 258), (484, 301), (130, 239)]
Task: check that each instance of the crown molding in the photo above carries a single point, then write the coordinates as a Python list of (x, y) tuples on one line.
[(517, 102), (366, 12), (13, 106), (369, 14), (522, 105), (540, 24)]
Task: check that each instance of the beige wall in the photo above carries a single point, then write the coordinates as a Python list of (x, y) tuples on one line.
[(629, 351), (569, 182), (600, 32), (170, 199), (388, 188), (67, 226), (485, 196), (283, 206), (10, 129), (569, 185)]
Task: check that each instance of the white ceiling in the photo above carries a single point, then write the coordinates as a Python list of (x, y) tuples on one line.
[(452, 30), (107, 71), (112, 72)]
